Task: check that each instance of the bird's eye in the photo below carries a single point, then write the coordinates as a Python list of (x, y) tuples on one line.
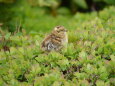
[(59, 26)]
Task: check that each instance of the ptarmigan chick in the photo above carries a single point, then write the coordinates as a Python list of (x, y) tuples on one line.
[(56, 40)]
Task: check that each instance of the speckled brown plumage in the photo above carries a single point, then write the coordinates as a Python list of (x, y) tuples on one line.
[(56, 40)]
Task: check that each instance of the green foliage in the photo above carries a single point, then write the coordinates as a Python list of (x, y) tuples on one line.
[(34, 14), (7, 1), (89, 58), (81, 3)]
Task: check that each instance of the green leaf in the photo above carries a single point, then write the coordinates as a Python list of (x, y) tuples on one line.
[(7, 36), (112, 58), (110, 2), (83, 55), (81, 3)]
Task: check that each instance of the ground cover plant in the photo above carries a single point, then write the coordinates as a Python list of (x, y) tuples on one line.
[(88, 60)]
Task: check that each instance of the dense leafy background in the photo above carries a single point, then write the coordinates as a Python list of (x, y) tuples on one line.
[(34, 14), (89, 59)]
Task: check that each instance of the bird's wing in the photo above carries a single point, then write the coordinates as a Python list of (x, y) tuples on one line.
[(50, 46), (45, 43)]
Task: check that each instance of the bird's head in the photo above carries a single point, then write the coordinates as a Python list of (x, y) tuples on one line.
[(60, 29)]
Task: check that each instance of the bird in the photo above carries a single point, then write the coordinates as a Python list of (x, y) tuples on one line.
[(56, 40)]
